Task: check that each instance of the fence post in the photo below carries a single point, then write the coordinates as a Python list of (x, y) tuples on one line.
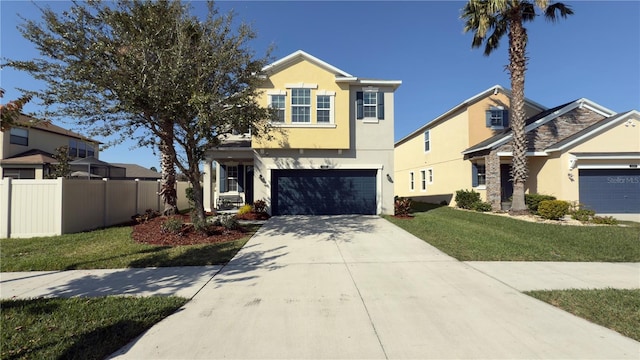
[(5, 208), (105, 195), (58, 212), (137, 201), (158, 189)]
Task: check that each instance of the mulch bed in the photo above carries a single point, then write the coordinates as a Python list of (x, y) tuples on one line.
[(150, 232)]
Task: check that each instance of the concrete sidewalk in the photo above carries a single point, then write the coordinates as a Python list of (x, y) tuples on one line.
[(360, 287), (178, 281)]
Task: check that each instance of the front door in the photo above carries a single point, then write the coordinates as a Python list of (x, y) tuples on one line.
[(248, 190), (506, 183)]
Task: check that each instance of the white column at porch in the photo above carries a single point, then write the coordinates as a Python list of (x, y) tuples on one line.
[(207, 186)]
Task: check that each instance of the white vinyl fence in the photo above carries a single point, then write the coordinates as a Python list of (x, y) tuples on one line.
[(30, 208)]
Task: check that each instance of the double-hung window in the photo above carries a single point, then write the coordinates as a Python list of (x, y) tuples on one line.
[(324, 109), (427, 141), (479, 177), (300, 105), (370, 104), (423, 180), (232, 178), (411, 181), (497, 118), (19, 136), (277, 103)]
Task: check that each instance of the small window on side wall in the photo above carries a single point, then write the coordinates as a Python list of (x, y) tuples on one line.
[(478, 175), (427, 141)]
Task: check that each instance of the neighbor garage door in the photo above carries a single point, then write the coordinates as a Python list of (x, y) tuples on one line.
[(323, 192), (610, 191)]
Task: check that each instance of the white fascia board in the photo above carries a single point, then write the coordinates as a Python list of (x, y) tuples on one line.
[(607, 166), (529, 153), (301, 54), (612, 156), (333, 167), (595, 107)]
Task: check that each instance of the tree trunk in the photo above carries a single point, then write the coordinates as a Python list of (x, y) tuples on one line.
[(168, 182), (517, 68), (198, 206)]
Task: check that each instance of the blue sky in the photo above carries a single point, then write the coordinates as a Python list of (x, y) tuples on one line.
[(593, 54)]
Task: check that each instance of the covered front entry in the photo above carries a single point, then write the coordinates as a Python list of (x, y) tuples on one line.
[(323, 192), (610, 191)]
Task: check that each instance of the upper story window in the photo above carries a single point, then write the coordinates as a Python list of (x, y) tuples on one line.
[(324, 108), (277, 102), (427, 141), (19, 136), (497, 117), (300, 105), (80, 149), (232, 178), (370, 104)]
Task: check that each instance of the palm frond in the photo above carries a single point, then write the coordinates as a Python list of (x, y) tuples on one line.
[(556, 11)]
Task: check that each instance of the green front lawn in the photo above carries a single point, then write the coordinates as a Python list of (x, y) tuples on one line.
[(77, 328), (110, 248), (615, 309), (474, 236)]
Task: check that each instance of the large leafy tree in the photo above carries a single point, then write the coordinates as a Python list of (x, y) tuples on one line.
[(489, 21), (150, 71), (10, 112)]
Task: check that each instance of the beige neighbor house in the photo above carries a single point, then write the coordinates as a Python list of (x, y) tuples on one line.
[(579, 151), (332, 145), (26, 152)]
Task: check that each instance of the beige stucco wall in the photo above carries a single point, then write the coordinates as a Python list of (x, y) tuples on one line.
[(309, 135), (38, 139)]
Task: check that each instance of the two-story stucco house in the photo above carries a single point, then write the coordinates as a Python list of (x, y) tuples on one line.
[(331, 149), (26, 150), (579, 151)]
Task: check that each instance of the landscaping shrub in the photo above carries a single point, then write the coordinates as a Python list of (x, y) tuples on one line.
[(172, 225), (606, 220), (402, 206), (245, 209), (148, 215), (482, 206), (583, 215), (533, 201), (553, 209), (260, 206), (465, 199), (229, 222)]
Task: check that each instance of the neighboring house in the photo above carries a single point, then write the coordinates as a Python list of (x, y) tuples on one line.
[(579, 151), (330, 151), (134, 171), (26, 150)]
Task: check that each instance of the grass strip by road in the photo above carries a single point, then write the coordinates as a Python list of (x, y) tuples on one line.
[(110, 248), (77, 328), (616, 309), (474, 236)]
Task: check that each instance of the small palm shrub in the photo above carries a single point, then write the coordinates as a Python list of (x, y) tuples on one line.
[(245, 209), (402, 206), (533, 200), (229, 222), (583, 215), (172, 225), (553, 209), (604, 220), (466, 199)]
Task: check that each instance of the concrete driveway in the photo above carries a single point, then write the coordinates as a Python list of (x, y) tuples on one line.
[(358, 287)]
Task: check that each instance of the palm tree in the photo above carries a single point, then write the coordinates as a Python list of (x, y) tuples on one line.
[(489, 20)]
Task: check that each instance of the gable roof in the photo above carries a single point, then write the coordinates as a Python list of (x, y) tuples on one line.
[(490, 91), (537, 121), (593, 130), (341, 75), (30, 122), (301, 55)]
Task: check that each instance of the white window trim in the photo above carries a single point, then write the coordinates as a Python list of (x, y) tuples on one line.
[(430, 176), (301, 85), (412, 179), (332, 96), (423, 180), (310, 107), (278, 92), (423, 141), (302, 125)]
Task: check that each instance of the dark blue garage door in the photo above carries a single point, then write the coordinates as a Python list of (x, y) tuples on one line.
[(323, 192), (610, 191)]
